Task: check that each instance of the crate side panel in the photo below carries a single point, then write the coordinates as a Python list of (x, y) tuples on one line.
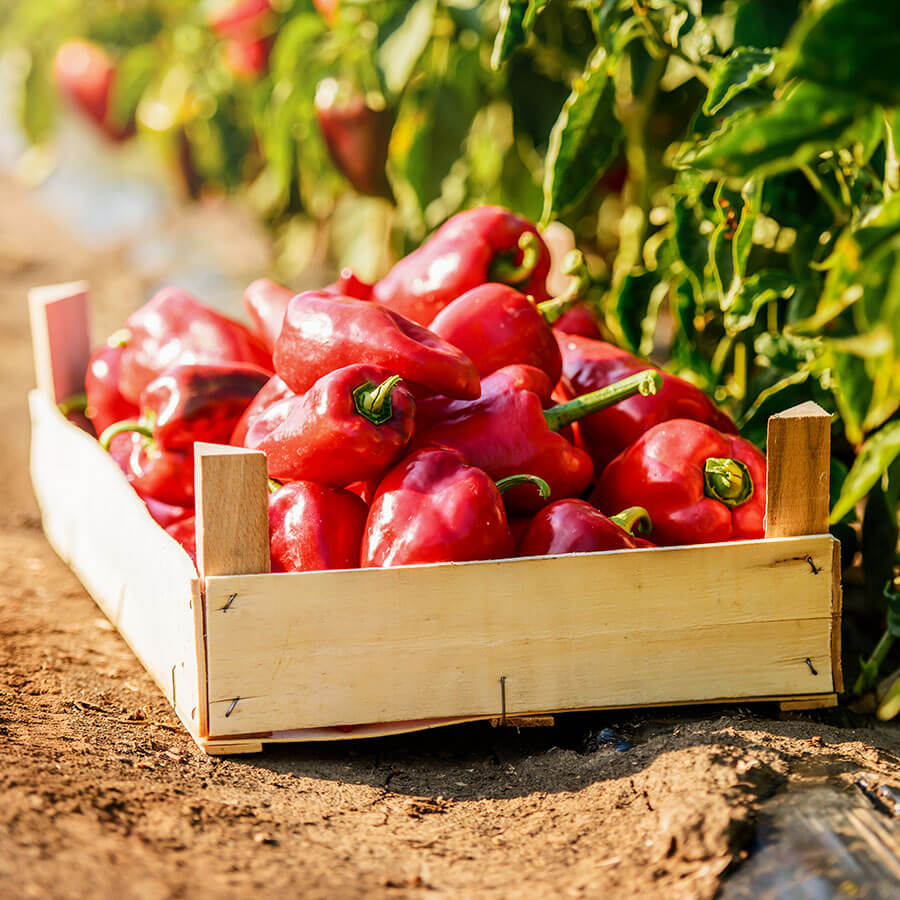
[(610, 629), (138, 575)]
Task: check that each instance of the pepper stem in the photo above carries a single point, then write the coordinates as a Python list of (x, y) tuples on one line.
[(635, 517), (273, 485), (119, 428), (554, 308), (727, 480), (373, 402), (504, 269), (75, 403), (645, 383), (512, 480), (119, 338)]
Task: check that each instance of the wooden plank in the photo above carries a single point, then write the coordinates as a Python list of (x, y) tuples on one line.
[(587, 630), (138, 575), (60, 336), (232, 510), (826, 701), (198, 609), (836, 608), (798, 453)]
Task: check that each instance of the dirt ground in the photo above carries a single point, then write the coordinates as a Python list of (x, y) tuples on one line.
[(104, 795)]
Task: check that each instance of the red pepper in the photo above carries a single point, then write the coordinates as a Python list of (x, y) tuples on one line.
[(589, 364), (574, 526), (496, 326), (242, 19), (473, 247), (105, 403), (273, 391), (248, 58), (510, 431), (434, 507), (580, 319), (185, 532), (322, 332), (191, 403), (351, 425), (698, 485), (312, 528), (165, 475), (349, 284), (175, 328), (166, 514)]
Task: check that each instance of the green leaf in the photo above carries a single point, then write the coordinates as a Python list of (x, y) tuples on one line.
[(399, 51), (852, 390), (790, 131), (873, 460), (584, 140), (637, 306), (744, 68), (742, 305), (849, 45), (751, 195), (516, 23)]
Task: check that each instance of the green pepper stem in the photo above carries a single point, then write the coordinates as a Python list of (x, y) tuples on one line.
[(504, 269), (75, 403), (553, 309), (120, 428), (512, 480), (645, 383), (727, 480), (119, 338), (373, 402), (635, 517), (890, 705), (273, 485), (869, 671)]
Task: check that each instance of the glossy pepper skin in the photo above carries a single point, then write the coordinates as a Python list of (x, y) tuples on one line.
[(574, 526), (580, 319), (589, 365), (690, 500), (509, 431), (105, 403), (323, 332), (273, 391), (165, 475), (351, 425), (175, 328), (185, 532), (165, 514), (473, 247), (312, 528), (435, 507)]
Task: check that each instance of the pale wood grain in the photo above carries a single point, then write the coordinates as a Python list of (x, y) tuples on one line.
[(232, 523), (836, 609), (826, 701), (798, 453)]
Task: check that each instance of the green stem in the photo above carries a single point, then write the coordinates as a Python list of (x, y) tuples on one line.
[(840, 214), (699, 72), (373, 402), (512, 480), (727, 480), (869, 671), (891, 166), (503, 268), (552, 310), (75, 403), (645, 383), (273, 485), (890, 705), (120, 428), (633, 517)]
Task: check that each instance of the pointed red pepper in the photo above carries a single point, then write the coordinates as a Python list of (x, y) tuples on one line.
[(589, 365), (574, 526), (175, 328), (435, 507), (105, 403), (351, 425), (697, 484), (473, 247), (323, 332), (312, 528), (509, 431), (273, 391)]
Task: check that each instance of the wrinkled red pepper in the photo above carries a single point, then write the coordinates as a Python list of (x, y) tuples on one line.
[(312, 528), (105, 403), (273, 391), (435, 507), (351, 425), (574, 526), (174, 328), (323, 332), (697, 484), (509, 431), (473, 247), (589, 365)]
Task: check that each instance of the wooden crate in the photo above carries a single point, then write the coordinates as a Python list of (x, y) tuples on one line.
[(248, 658)]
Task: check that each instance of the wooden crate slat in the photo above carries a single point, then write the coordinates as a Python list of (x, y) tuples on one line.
[(607, 629)]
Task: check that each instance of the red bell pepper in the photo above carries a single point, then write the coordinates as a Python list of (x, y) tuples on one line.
[(698, 485), (574, 526), (322, 332), (175, 328), (189, 403), (105, 403), (273, 391), (165, 475), (351, 425), (580, 319), (434, 507), (496, 326), (473, 247), (166, 514), (185, 532), (509, 431), (589, 365), (312, 528)]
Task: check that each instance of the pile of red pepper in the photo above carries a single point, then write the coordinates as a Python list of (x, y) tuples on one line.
[(441, 414)]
